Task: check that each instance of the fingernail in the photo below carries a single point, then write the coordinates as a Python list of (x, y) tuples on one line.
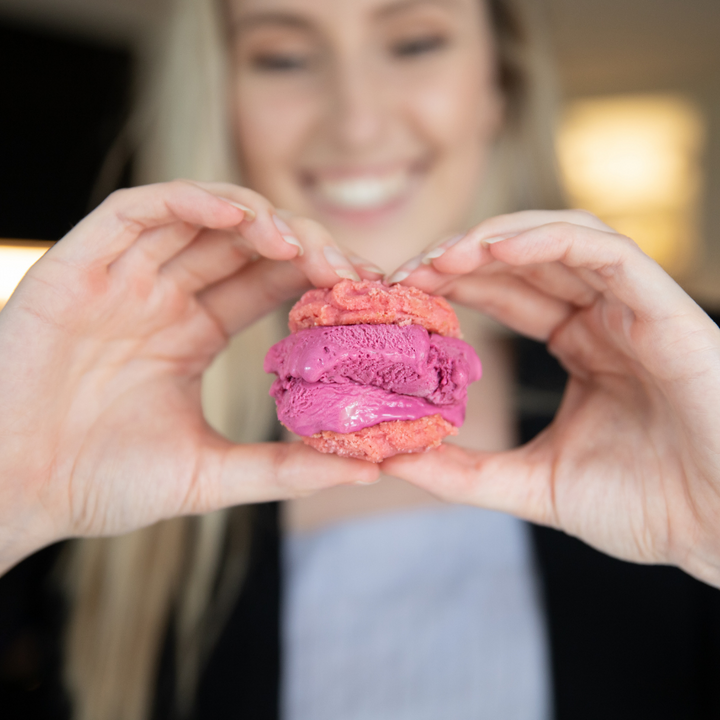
[(363, 482), (405, 270), (441, 249), (340, 264), (287, 234), (249, 212), (497, 239), (366, 264)]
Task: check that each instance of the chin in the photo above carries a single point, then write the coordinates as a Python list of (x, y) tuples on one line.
[(388, 245)]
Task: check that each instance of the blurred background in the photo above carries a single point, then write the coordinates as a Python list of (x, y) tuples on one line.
[(638, 138)]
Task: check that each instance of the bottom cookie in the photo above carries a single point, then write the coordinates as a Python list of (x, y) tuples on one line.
[(385, 439)]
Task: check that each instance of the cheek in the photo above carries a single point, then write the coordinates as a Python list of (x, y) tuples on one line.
[(459, 110), (271, 127), (458, 115)]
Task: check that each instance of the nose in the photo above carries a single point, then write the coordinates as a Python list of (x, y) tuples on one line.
[(358, 110)]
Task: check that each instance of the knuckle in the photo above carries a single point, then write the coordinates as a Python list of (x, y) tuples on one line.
[(179, 184), (255, 199), (117, 198), (626, 241), (280, 461), (584, 213), (561, 229), (119, 205)]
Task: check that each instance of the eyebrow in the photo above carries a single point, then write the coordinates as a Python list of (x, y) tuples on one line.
[(401, 6), (269, 17)]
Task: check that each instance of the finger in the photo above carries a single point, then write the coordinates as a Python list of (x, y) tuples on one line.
[(322, 260), (251, 293), (517, 222), (617, 263), (423, 273), (419, 271), (578, 286), (430, 280), (416, 264), (211, 257), (462, 255), (257, 228), (116, 225), (505, 294), (264, 230), (553, 279), (506, 481), (233, 474), (512, 302), (366, 269)]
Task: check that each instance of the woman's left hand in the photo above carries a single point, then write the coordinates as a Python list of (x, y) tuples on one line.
[(631, 462)]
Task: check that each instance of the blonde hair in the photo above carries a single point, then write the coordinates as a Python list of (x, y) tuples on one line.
[(523, 172), (125, 591)]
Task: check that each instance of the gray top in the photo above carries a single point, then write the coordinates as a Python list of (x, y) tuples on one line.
[(415, 615)]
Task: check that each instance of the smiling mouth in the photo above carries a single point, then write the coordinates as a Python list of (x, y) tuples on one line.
[(358, 192)]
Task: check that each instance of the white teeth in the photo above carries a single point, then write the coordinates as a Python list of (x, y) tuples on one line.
[(364, 192)]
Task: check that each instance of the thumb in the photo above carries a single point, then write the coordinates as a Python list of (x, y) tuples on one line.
[(231, 474), (504, 481)]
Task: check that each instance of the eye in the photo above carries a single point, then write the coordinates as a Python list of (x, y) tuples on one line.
[(280, 62), (412, 47)]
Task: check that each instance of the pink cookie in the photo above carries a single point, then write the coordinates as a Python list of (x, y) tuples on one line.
[(374, 303), (386, 439)]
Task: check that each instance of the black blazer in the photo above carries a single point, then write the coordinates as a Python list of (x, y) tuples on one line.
[(628, 642)]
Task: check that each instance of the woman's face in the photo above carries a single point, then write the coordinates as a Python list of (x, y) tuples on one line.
[(372, 116)]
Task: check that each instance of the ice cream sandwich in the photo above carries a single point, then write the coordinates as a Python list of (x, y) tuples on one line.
[(372, 370)]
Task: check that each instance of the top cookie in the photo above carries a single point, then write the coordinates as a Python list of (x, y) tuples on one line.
[(372, 302)]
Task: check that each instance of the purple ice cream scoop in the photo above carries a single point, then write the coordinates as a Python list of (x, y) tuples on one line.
[(345, 378)]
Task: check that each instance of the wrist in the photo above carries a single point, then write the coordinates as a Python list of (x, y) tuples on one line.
[(25, 524)]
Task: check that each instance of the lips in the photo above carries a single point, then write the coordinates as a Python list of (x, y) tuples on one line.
[(363, 193), (358, 191)]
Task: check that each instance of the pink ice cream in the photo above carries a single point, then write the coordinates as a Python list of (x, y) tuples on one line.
[(348, 377)]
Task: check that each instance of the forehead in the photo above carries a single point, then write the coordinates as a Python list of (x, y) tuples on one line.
[(329, 11)]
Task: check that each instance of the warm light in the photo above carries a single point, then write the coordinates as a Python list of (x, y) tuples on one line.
[(16, 257), (635, 162)]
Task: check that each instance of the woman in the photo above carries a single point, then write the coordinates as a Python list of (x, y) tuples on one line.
[(377, 119)]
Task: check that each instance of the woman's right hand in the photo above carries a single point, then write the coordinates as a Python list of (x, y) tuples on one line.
[(104, 344)]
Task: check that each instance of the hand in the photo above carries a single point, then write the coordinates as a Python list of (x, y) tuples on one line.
[(104, 344), (631, 462)]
